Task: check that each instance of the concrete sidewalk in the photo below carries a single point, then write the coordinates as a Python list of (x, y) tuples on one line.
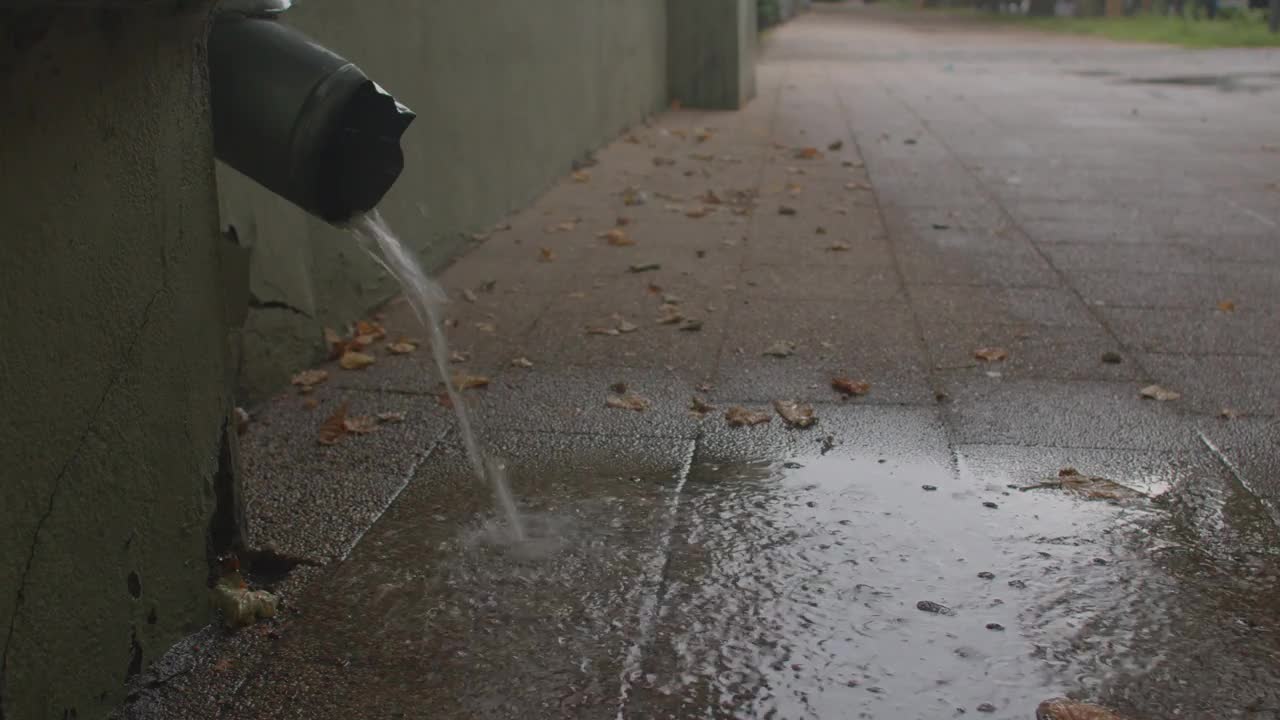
[(894, 201)]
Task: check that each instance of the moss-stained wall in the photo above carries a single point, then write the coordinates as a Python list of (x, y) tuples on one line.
[(508, 93), (114, 369)]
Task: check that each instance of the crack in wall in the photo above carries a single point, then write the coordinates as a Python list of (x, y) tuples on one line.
[(260, 304), (57, 487)]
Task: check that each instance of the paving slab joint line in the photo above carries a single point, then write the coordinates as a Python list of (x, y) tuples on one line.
[(1145, 375), (1273, 511)]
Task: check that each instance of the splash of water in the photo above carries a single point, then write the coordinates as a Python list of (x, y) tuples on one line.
[(426, 298)]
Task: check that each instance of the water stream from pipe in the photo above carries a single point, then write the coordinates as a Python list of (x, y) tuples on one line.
[(426, 298)]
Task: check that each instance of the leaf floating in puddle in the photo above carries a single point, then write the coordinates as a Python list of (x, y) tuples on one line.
[(780, 349), (334, 427), (522, 362), (307, 379), (930, 606), (991, 354), (700, 406), (1067, 709), (850, 387), (391, 416), (1091, 488), (627, 401), (352, 360), (360, 424), (1155, 392), (738, 416), (795, 414), (463, 381)]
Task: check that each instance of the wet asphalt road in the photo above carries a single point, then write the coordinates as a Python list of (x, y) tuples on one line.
[(1058, 198)]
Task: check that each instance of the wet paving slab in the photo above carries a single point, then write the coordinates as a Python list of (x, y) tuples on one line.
[(862, 568)]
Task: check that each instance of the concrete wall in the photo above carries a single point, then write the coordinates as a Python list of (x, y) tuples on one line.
[(508, 93), (114, 370), (711, 52)]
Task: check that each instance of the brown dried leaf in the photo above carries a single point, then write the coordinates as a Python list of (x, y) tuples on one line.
[(991, 354), (373, 329), (838, 247), (337, 345), (1228, 414), (780, 349), (401, 348), (808, 153), (851, 387), (617, 238), (307, 378), (1066, 709), (1091, 488), (700, 406), (699, 211), (311, 403), (334, 427), (795, 414), (738, 416), (391, 416), (458, 356), (463, 381), (835, 145), (669, 314), (546, 254), (522, 362), (352, 360), (627, 401), (1155, 392), (1227, 306), (711, 198), (360, 424), (242, 420)]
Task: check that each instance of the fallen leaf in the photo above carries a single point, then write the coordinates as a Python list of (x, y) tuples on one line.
[(808, 153), (856, 186), (334, 427), (1155, 392), (851, 387), (546, 254), (1227, 306), (738, 416), (835, 145), (1091, 488), (458, 356), (401, 348), (617, 238), (711, 198), (337, 345), (372, 329), (644, 267), (618, 388), (780, 349), (311, 403), (669, 314), (486, 327), (352, 360), (793, 189), (627, 401), (991, 354), (242, 420), (820, 230), (634, 196), (502, 227), (1228, 414), (522, 362), (307, 378), (1066, 709), (691, 326), (443, 399), (838, 247), (625, 326), (697, 212), (795, 414), (463, 381), (469, 295), (700, 406), (360, 342), (786, 210), (597, 330), (391, 416), (702, 135), (360, 424), (1112, 357), (581, 176), (241, 606)]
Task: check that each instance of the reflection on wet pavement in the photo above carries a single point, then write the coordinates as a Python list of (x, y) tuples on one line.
[(864, 570)]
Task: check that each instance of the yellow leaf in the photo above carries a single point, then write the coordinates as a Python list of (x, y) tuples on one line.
[(352, 360)]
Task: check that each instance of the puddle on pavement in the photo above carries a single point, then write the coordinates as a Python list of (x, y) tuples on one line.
[(1239, 82), (804, 585)]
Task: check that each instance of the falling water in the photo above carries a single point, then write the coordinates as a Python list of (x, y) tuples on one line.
[(426, 298)]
